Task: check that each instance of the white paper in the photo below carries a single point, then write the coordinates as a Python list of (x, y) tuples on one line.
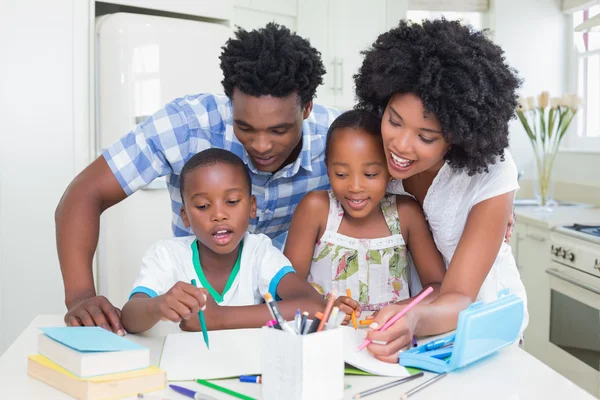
[(232, 353), (363, 359)]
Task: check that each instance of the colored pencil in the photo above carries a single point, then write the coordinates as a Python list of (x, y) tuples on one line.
[(349, 294), (202, 322)]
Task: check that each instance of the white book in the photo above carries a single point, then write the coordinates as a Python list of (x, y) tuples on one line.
[(239, 352), (91, 351)]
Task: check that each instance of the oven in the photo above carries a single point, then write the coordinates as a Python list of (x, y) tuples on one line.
[(574, 334)]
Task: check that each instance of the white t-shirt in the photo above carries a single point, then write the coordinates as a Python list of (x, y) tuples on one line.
[(258, 270), (447, 205)]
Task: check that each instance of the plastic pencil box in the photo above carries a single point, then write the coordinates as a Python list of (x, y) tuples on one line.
[(482, 329)]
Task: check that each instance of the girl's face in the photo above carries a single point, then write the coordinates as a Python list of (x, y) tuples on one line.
[(412, 138), (357, 170)]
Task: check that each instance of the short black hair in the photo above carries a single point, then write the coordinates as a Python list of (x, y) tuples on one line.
[(213, 156), (459, 74), (354, 119), (271, 61)]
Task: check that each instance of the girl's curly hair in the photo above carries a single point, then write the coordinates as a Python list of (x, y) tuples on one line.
[(461, 77)]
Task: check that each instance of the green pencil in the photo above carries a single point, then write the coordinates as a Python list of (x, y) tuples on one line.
[(202, 322), (224, 390)]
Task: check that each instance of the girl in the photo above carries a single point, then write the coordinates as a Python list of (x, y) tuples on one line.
[(354, 236), (446, 96)]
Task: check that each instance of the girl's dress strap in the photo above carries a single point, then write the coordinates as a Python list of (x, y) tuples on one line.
[(336, 213), (390, 213)]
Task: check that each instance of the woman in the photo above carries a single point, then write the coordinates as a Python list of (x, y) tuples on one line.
[(446, 96)]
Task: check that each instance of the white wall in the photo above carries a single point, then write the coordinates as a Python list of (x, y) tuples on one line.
[(36, 154), (253, 14)]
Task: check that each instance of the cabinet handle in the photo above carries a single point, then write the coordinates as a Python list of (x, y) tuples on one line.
[(537, 238), (333, 72), (556, 273), (341, 64)]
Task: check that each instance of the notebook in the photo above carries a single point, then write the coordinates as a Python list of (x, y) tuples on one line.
[(239, 352), (111, 386), (91, 351)]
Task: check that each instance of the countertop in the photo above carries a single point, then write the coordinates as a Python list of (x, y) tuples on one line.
[(510, 374)]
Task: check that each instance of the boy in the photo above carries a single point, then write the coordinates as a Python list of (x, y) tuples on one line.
[(234, 267)]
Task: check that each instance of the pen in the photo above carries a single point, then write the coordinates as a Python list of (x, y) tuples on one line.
[(142, 396), (276, 314), (439, 343), (332, 318), (327, 311), (202, 322), (224, 390), (316, 321), (396, 317), (303, 320), (297, 322), (386, 386), (190, 393), (251, 378), (422, 386), (349, 294)]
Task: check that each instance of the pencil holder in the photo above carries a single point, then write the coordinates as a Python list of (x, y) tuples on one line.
[(302, 367)]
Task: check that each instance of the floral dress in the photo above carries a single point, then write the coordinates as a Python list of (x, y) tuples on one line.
[(375, 270)]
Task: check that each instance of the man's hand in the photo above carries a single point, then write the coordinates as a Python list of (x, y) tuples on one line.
[(95, 311), (181, 302)]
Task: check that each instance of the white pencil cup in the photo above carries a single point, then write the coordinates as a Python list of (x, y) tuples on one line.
[(302, 367)]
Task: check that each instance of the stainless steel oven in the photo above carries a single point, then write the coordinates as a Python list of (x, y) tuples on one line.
[(574, 334)]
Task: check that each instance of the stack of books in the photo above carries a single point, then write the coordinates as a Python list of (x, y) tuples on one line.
[(93, 363)]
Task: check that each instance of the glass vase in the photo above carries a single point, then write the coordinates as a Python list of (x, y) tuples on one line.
[(544, 182)]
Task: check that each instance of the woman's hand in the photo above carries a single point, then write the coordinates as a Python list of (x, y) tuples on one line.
[(396, 338)]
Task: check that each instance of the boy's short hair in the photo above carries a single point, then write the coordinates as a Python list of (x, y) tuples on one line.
[(460, 75), (213, 156), (354, 119), (271, 61)]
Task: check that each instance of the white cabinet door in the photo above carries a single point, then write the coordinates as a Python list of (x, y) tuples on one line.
[(533, 259), (340, 30)]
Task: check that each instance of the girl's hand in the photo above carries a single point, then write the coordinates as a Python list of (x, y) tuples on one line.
[(396, 338), (347, 305), (181, 302)]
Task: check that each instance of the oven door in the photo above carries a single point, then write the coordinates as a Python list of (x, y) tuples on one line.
[(574, 348)]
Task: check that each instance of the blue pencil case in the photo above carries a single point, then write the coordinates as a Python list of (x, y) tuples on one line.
[(482, 329)]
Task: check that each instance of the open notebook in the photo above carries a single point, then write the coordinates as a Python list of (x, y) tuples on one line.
[(238, 352)]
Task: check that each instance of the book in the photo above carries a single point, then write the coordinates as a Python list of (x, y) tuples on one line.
[(91, 351), (112, 386), (239, 352)]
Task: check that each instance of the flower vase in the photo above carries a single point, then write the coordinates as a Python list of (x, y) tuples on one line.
[(544, 182)]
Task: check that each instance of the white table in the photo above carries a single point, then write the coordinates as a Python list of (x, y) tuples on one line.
[(510, 374)]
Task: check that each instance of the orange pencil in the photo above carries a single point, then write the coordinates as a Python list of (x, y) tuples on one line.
[(366, 322), (327, 311), (349, 294)]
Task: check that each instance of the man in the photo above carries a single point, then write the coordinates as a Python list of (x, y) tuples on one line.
[(267, 118)]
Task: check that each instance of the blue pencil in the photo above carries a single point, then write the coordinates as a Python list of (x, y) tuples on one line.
[(202, 322)]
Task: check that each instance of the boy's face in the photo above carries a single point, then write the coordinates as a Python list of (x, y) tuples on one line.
[(269, 128), (218, 206)]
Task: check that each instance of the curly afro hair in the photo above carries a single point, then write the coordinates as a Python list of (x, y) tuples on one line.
[(459, 74), (271, 61)]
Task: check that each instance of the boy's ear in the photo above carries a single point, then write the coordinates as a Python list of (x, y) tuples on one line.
[(252, 207), (184, 218)]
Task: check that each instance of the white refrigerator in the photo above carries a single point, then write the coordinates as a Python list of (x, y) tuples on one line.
[(142, 63)]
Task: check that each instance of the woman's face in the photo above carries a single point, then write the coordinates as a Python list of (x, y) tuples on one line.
[(412, 138)]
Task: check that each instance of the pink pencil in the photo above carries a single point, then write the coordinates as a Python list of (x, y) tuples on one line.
[(401, 314)]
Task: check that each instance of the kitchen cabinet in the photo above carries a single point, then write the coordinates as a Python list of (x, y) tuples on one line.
[(531, 248), (340, 30)]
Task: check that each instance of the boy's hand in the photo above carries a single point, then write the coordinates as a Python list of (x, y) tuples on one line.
[(181, 302), (212, 314), (348, 305), (95, 311)]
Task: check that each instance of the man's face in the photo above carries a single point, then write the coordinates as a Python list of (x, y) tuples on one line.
[(269, 128)]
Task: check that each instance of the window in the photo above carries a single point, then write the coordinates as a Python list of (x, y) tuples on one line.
[(586, 47), (469, 18)]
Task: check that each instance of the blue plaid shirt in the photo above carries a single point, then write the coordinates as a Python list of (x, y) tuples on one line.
[(163, 143)]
